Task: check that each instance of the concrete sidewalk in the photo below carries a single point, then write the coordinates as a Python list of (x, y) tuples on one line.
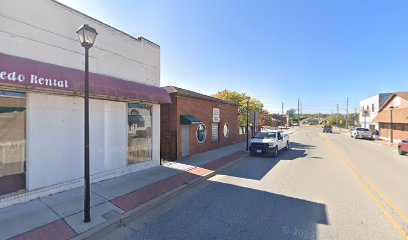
[(60, 216)]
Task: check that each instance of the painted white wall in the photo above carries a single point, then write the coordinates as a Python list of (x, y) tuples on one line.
[(45, 31), (55, 138), (156, 135), (377, 100), (363, 105)]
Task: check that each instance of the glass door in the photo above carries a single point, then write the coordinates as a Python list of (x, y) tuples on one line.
[(12, 141)]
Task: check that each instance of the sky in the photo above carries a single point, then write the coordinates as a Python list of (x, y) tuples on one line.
[(321, 52)]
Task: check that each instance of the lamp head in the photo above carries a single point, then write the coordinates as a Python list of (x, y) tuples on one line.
[(87, 35)]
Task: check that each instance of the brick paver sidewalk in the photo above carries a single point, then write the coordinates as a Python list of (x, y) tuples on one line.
[(61, 229)]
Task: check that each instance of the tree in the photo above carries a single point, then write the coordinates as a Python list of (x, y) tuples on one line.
[(255, 105), (291, 113), (265, 119)]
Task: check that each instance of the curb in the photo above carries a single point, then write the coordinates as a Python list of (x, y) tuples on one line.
[(144, 207)]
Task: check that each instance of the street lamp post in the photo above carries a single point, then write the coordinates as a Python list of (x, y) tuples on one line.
[(391, 125), (247, 123), (87, 37)]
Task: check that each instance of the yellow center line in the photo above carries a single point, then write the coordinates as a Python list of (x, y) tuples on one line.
[(352, 170), (376, 189)]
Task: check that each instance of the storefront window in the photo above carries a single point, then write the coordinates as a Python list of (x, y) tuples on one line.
[(139, 133), (226, 130), (12, 141), (201, 133)]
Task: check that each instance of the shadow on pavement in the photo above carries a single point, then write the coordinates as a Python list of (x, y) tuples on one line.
[(258, 166), (230, 209), (225, 211)]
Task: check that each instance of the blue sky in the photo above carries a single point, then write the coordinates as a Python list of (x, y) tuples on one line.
[(277, 51)]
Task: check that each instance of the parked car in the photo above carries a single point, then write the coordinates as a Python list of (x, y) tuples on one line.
[(403, 147), (269, 141), (327, 129), (363, 133)]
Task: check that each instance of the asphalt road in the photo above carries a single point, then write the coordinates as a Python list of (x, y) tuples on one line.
[(328, 186)]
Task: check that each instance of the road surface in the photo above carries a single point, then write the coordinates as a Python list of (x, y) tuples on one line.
[(328, 186)]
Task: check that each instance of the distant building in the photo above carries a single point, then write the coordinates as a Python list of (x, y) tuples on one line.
[(194, 123), (399, 102), (369, 108), (278, 120)]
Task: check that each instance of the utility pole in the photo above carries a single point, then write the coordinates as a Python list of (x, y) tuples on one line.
[(347, 116), (298, 111), (247, 123), (391, 125), (337, 116), (282, 108)]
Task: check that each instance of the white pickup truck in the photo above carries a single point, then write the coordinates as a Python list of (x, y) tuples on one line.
[(362, 133), (269, 141)]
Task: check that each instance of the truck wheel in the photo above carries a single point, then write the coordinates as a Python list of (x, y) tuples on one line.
[(400, 151), (286, 147), (275, 152)]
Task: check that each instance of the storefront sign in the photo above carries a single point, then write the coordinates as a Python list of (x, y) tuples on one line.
[(216, 115), (8, 77), (26, 74), (214, 132)]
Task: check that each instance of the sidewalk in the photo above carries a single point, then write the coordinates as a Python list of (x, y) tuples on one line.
[(60, 216), (378, 141)]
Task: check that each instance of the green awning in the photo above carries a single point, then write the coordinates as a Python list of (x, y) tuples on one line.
[(189, 119)]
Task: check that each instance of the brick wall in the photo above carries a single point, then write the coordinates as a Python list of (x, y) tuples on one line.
[(168, 129), (400, 131), (201, 109)]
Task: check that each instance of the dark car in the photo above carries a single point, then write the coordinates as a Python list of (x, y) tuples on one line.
[(327, 129), (403, 147)]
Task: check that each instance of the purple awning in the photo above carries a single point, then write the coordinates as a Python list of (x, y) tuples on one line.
[(26, 74)]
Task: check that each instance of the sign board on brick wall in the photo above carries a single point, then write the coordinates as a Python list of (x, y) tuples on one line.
[(214, 132), (216, 115)]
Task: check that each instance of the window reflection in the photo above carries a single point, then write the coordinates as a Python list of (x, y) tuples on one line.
[(12, 141), (201, 133), (139, 132)]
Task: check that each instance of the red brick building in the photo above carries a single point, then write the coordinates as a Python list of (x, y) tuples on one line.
[(194, 123), (278, 120), (399, 102)]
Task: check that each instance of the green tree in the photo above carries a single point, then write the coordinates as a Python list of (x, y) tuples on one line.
[(255, 105), (291, 113)]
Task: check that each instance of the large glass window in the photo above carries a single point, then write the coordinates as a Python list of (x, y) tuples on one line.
[(201, 133), (139, 132), (12, 141)]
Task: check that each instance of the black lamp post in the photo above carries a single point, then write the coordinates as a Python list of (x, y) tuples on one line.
[(391, 125), (247, 122), (87, 37)]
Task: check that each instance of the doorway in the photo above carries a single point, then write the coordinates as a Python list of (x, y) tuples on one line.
[(185, 140)]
